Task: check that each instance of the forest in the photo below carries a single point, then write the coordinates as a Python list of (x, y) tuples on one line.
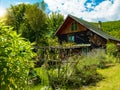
[(25, 67)]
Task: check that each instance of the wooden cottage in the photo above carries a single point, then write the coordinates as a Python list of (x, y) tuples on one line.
[(83, 34), (80, 31)]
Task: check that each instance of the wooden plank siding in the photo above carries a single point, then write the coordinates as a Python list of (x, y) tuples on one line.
[(85, 37), (66, 27)]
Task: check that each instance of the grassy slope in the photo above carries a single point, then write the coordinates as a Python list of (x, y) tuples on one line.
[(111, 81), (112, 27)]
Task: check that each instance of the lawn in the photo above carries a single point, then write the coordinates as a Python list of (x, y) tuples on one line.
[(111, 79)]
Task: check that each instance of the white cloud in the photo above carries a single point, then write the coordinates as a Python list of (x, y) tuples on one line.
[(105, 11), (2, 11), (17, 3), (66, 6)]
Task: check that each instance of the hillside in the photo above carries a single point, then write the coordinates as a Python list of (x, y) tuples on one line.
[(112, 27)]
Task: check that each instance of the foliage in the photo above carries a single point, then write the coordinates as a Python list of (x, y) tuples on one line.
[(15, 59), (111, 27), (75, 72), (111, 75), (15, 16), (70, 75), (113, 52), (37, 21), (33, 78), (28, 20), (111, 79), (33, 23), (54, 21), (100, 58), (111, 48)]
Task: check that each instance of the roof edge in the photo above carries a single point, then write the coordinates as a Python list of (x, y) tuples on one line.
[(61, 25), (106, 36)]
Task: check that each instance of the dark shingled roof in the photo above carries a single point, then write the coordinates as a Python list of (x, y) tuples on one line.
[(93, 29)]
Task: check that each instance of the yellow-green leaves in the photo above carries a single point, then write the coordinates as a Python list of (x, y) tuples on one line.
[(15, 59)]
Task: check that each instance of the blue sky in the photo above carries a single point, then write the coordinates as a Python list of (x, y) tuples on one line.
[(90, 10), (7, 3)]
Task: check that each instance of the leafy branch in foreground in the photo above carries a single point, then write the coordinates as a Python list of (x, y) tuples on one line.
[(15, 59)]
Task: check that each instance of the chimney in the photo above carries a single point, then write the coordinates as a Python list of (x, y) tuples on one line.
[(100, 25)]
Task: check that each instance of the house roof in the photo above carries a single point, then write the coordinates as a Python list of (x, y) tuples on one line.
[(91, 27)]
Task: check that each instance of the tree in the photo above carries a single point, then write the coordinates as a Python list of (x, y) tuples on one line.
[(37, 21), (15, 59), (53, 22), (32, 22), (15, 16), (28, 20)]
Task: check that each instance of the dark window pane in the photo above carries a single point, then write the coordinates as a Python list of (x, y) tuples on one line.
[(74, 26), (71, 38)]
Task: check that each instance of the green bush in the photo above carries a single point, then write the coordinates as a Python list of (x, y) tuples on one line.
[(15, 59), (113, 52), (76, 71), (99, 58), (111, 49), (72, 74), (87, 72)]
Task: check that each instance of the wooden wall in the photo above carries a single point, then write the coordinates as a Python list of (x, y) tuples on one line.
[(97, 41), (67, 27), (84, 37)]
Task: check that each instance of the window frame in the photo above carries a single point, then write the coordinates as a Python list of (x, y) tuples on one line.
[(71, 38), (74, 26)]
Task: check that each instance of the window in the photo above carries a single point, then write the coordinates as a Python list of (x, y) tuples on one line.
[(74, 26), (84, 51), (71, 38)]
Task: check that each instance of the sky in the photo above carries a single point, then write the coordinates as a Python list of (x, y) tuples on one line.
[(90, 10)]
